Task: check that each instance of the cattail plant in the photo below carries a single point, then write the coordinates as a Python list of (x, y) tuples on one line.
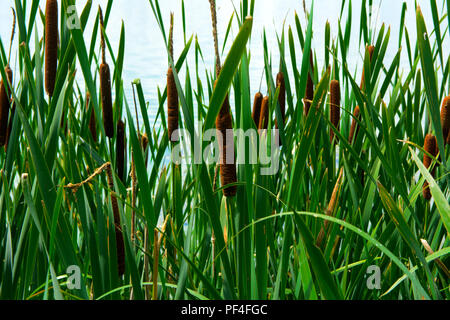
[(172, 105), (354, 127), (5, 94), (121, 150), (281, 99), (371, 49), (430, 146), (282, 94), (227, 170), (105, 86), (74, 187), (335, 101), (334, 200), (257, 108), (309, 94), (445, 119), (172, 93), (51, 45), (134, 188), (264, 116), (224, 124), (119, 234), (92, 121)]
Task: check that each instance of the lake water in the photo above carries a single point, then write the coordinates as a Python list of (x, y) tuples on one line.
[(145, 53)]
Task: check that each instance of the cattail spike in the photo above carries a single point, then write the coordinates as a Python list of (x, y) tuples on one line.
[(120, 150), (172, 93), (214, 29), (105, 91), (282, 94), (92, 121), (335, 101), (281, 100), (51, 45), (12, 34), (354, 127), (309, 94), (430, 146), (257, 108), (445, 119), (171, 36), (223, 122), (105, 85), (102, 37), (228, 176), (172, 106), (227, 170), (264, 116)]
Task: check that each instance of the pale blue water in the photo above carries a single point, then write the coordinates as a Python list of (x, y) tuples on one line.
[(145, 53)]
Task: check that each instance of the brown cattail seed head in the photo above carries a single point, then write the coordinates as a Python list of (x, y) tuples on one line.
[(281, 100), (92, 121), (5, 105), (445, 118), (120, 150), (335, 101), (227, 167), (430, 146), (105, 90), (257, 108), (228, 176), (51, 45), (282, 95), (172, 106), (354, 127), (309, 94), (264, 116)]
